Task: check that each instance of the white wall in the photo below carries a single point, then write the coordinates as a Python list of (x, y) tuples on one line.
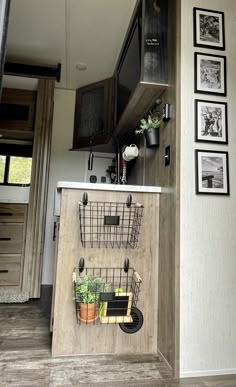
[(64, 166), (10, 194), (208, 223)]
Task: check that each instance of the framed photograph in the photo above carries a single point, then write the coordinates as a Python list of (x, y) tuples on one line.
[(208, 29), (212, 172), (210, 74), (211, 122)]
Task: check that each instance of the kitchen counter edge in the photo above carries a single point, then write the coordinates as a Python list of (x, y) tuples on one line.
[(99, 187)]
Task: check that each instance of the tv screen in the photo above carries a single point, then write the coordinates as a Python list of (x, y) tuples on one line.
[(4, 16), (128, 74)]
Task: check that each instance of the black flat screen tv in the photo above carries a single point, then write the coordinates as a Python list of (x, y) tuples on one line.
[(143, 57), (129, 70), (4, 17)]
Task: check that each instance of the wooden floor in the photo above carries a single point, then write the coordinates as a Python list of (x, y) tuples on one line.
[(25, 357)]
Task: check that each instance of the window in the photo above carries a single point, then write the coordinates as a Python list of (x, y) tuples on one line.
[(19, 170), (2, 168), (15, 170), (15, 165)]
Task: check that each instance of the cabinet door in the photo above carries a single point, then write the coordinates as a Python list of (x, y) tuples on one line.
[(93, 114), (17, 111)]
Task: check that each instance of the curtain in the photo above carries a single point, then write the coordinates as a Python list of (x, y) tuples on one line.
[(35, 228)]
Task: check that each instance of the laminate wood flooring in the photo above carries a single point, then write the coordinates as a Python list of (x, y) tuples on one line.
[(25, 357), (26, 326)]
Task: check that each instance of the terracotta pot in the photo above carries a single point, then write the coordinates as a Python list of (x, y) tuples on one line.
[(87, 312)]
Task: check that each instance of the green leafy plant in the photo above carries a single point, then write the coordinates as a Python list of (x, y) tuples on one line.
[(150, 122), (88, 288)]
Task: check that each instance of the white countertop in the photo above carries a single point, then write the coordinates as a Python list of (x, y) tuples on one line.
[(108, 187), (99, 187)]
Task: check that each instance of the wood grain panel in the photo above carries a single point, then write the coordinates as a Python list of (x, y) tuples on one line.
[(10, 270), (152, 171), (12, 213), (82, 339), (11, 238), (140, 101)]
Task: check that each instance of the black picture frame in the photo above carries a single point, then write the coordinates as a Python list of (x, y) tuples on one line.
[(208, 28), (212, 172), (211, 121), (210, 74)]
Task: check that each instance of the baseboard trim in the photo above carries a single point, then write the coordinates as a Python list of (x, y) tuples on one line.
[(192, 374), (166, 362)]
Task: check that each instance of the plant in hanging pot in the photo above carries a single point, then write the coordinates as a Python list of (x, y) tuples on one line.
[(87, 294), (150, 127)]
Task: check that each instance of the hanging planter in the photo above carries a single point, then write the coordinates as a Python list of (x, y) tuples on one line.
[(87, 291), (152, 136), (150, 127)]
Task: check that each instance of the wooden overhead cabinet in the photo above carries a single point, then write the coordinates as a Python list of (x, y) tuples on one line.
[(93, 114), (17, 113), (114, 107)]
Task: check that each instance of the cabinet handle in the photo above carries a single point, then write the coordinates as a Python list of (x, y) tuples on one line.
[(4, 271), (54, 231), (5, 239), (6, 214)]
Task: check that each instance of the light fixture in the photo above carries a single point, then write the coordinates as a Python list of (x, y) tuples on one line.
[(81, 66), (90, 161)]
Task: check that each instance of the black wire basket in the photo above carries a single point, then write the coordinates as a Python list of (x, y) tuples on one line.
[(108, 296), (110, 224)]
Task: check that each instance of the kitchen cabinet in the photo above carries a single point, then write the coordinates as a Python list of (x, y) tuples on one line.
[(93, 114), (99, 338), (12, 241), (115, 106), (17, 113)]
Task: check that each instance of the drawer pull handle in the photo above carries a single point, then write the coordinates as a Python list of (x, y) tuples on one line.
[(5, 239), (6, 214), (4, 271)]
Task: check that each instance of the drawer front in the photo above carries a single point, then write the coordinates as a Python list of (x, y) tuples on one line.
[(11, 238), (12, 213), (10, 272)]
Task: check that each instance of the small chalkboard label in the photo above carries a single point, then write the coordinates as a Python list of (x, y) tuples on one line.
[(152, 42), (111, 220)]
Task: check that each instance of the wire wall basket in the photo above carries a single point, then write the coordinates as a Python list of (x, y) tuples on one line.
[(108, 296), (110, 224)]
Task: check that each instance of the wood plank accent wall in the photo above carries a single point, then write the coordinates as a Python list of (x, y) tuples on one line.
[(38, 191), (68, 336), (150, 170)]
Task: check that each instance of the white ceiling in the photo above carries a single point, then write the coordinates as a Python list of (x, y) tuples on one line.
[(70, 31)]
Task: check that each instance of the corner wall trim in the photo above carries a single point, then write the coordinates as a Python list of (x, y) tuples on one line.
[(166, 362), (192, 374)]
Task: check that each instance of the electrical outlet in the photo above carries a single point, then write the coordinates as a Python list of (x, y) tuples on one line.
[(93, 179), (167, 155)]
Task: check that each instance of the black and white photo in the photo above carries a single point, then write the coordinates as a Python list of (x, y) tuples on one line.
[(210, 74), (208, 29), (211, 122), (212, 172)]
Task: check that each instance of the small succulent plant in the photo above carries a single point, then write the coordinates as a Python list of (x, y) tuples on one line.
[(150, 122)]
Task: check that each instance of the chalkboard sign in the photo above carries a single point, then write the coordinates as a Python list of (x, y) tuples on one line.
[(118, 306)]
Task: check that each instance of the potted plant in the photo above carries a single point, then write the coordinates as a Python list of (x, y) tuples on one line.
[(150, 128), (87, 294)]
